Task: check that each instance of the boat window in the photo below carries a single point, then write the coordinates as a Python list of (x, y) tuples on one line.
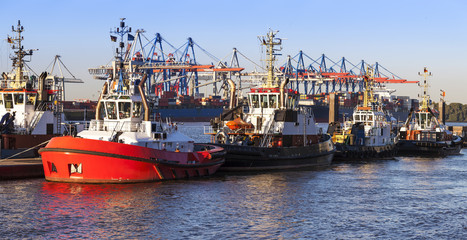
[(273, 101), (102, 111), (255, 100), (136, 110), (1, 98), (423, 120), (8, 101), (30, 99), (264, 100), (124, 109), (19, 98), (357, 117), (111, 110)]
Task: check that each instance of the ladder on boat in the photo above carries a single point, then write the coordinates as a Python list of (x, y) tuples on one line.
[(268, 133), (37, 116), (58, 109)]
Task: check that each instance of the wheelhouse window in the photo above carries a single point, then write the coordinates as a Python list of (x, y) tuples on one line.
[(8, 101), (19, 98), (30, 99), (136, 110), (254, 100), (273, 100), (424, 120), (264, 100), (111, 110), (124, 109)]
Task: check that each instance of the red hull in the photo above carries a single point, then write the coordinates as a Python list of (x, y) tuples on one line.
[(69, 159)]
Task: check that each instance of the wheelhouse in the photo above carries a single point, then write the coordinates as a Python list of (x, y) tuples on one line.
[(121, 108), (269, 98)]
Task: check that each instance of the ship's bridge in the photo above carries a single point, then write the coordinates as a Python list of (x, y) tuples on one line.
[(122, 107), (262, 100), (425, 121), (21, 103), (368, 117)]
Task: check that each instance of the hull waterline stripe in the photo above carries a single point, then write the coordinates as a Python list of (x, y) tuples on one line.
[(103, 154)]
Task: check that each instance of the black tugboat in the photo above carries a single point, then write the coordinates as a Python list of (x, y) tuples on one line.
[(423, 134), (275, 133)]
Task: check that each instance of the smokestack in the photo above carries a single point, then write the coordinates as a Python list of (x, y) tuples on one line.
[(442, 109), (282, 92), (333, 107), (99, 102), (143, 97), (42, 96), (233, 98)]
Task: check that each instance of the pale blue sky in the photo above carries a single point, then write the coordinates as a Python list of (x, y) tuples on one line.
[(403, 36)]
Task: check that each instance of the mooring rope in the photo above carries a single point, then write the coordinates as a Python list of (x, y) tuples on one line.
[(29, 149)]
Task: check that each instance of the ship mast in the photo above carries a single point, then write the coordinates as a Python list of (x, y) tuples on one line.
[(270, 42), (18, 59), (120, 54), (368, 97), (426, 97)]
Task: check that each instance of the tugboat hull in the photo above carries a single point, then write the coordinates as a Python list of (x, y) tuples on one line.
[(69, 159), (357, 153), (251, 158), (427, 149)]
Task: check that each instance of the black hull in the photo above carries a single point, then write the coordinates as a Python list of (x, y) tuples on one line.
[(250, 158), (364, 153), (427, 149)]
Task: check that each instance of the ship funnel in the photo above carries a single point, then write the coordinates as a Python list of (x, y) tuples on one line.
[(282, 92), (41, 88), (143, 97), (99, 102), (232, 103)]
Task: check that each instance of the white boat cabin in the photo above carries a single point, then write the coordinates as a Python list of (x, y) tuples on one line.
[(122, 121), (265, 103), (22, 104), (376, 126)]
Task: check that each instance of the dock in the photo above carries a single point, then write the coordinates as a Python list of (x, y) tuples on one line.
[(21, 168)]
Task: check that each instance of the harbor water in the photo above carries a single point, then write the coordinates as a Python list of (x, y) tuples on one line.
[(406, 198)]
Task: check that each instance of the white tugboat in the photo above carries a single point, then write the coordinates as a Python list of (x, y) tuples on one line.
[(30, 108), (275, 133), (423, 135), (369, 134)]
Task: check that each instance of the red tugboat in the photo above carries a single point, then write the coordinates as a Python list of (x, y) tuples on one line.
[(123, 145)]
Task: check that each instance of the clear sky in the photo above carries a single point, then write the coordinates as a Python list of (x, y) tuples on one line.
[(403, 36)]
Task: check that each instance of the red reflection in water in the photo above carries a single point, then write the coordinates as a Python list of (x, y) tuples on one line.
[(85, 206)]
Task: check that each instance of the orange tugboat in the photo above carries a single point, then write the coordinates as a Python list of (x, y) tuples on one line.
[(422, 133), (123, 144)]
